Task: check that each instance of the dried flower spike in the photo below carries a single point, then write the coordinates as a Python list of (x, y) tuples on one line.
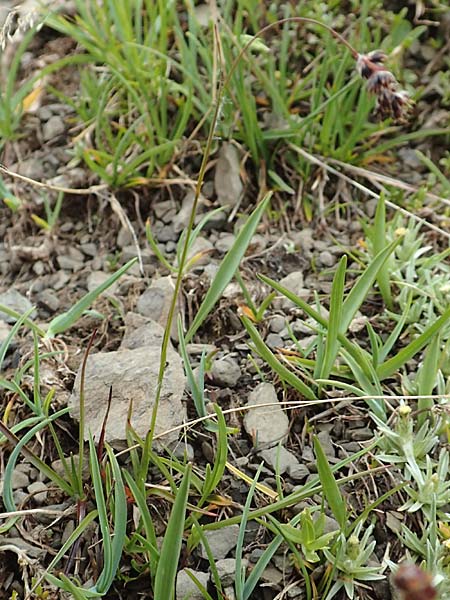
[(391, 101), (414, 583)]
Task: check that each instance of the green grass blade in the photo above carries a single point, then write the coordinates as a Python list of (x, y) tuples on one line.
[(427, 379), (330, 488), (15, 328), (221, 456), (364, 283), (395, 363), (79, 529), (120, 519), (240, 574), (67, 319), (395, 333), (358, 354), (168, 561), (197, 528), (100, 501), (332, 343), (379, 242), (24, 318), (228, 266), (266, 354), (257, 571), (147, 522)]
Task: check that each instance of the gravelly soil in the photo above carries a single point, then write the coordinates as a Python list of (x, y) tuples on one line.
[(52, 270)]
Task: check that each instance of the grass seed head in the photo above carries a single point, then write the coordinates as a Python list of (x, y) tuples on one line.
[(391, 100)]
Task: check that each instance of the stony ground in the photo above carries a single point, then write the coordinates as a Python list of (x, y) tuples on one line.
[(51, 270)]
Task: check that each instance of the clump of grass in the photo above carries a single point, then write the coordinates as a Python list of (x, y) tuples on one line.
[(334, 361)]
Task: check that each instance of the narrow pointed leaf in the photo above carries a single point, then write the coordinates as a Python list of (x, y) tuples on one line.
[(67, 319), (171, 546), (228, 266)]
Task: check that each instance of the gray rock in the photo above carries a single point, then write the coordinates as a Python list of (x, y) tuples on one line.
[(19, 496), (165, 210), (221, 541), (225, 242), (53, 128), (330, 524), (4, 331), (201, 250), (272, 576), (98, 278), (225, 372), (227, 178), (58, 466), (277, 323), (39, 490), (294, 282), (304, 239), (70, 263), (58, 280), (20, 479), (31, 167), (155, 302), (167, 234), (326, 443), (140, 332), (274, 340), (226, 569), (124, 237), (129, 252), (89, 249), (15, 301), (278, 458), (266, 425), (181, 219), (48, 300), (186, 589), (38, 268), (326, 259), (133, 375), (229, 593), (361, 434)]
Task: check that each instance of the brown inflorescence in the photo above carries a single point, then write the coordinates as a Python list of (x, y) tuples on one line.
[(391, 101), (414, 583)]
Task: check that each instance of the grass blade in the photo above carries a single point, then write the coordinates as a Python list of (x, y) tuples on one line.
[(171, 546), (379, 242), (395, 363), (361, 288), (67, 319), (240, 575), (228, 266), (330, 488), (332, 343), (274, 363)]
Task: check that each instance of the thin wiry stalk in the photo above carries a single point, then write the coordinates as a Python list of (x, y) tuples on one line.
[(183, 260), (289, 405)]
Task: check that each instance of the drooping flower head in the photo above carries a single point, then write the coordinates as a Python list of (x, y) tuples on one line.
[(391, 100)]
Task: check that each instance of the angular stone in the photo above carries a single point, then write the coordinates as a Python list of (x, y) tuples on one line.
[(15, 301), (221, 541), (133, 375), (226, 372), (155, 302), (266, 425), (283, 461), (227, 180), (186, 588)]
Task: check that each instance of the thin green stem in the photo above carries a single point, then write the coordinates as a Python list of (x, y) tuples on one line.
[(180, 274)]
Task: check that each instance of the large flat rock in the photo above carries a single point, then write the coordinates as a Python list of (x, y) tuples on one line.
[(133, 375)]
